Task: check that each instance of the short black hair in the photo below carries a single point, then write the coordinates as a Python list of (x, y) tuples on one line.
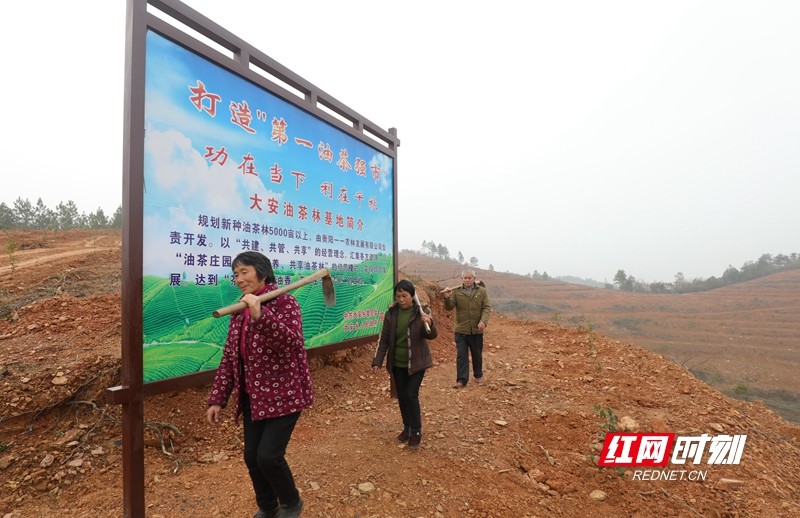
[(258, 261), (406, 286)]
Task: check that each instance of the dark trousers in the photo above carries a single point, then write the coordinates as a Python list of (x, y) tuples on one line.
[(467, 345), (408, 397), (265, 444)]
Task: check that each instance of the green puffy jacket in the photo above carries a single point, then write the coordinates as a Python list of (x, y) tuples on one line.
[(471, 309)]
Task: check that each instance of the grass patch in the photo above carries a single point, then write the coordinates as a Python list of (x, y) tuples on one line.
[(663, 349), (784, 402), (634, 325), (518, 306), (712, 379)]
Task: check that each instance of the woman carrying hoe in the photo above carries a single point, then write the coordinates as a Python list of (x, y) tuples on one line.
[(403, 342), (264, 362)]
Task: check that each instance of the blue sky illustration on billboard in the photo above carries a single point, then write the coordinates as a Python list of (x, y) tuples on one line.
[(229, 167)]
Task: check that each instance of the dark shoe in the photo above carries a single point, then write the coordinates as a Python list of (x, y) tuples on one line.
[(414, 439), (290, 511), (272, 513), (403, 437), (459, 384)]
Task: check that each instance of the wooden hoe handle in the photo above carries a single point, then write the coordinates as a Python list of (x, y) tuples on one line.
[(239, 306)]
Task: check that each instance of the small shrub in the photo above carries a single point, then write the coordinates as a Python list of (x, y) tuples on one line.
[(608, 425), (11, 249), (587, 325), (610, 420)]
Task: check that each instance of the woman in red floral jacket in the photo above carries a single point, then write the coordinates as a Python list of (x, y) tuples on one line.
[(264, 361)]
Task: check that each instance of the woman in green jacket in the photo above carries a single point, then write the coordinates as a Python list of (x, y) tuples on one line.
[(403, 342)]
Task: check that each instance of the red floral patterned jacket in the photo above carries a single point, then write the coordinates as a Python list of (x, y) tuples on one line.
[(276, 373)]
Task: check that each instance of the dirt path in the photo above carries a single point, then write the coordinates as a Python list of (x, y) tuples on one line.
[(45, 258)]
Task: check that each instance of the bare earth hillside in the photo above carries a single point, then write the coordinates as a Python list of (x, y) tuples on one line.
[(523, 444), (742, 339)]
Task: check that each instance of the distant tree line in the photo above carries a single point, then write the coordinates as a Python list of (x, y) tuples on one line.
[(767, 264), (25, 215), (540, 276), (440, 251)]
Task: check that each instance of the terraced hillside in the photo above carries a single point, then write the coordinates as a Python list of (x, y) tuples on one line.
[(742, 339)]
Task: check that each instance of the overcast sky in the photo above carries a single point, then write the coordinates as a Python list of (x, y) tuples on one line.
[(572, 137)]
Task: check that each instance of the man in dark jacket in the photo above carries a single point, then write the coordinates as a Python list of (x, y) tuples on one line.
[(471, 303)]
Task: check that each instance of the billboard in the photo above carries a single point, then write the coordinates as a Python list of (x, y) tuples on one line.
[(226, 150), (230, 166), (233, 160)]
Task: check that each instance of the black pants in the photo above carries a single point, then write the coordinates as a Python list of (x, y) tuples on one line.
[(467, 345), (265, 444), (408, 397)]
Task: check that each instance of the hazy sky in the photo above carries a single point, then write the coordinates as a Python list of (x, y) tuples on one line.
[(572, 137)]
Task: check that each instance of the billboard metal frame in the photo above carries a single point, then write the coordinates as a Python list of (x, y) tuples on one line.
[(258, 68)]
